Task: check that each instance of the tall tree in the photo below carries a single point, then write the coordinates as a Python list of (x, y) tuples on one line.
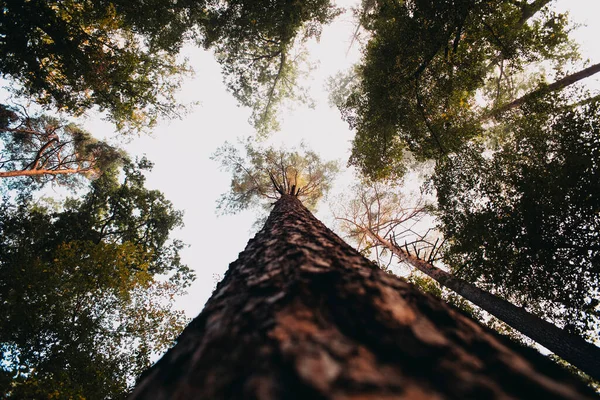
[(522, 221), (425, 64), (87, 291), (45, 148), (376, 217), (301, 314)]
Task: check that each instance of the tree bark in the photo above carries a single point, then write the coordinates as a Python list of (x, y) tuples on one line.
[(558, 85), (302, 315), (571, 348)]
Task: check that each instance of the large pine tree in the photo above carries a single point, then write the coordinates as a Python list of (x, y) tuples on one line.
[(302, 315)]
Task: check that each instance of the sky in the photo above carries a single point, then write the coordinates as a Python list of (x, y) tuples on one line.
[(181, 149)]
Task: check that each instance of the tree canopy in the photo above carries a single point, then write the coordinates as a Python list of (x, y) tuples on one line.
[(522, 221), (121, 56), (87, 289), (424, 65), (116, 55), (267, 173), (258, 43)]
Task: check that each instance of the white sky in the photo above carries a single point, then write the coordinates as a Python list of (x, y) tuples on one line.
[(181, 149)]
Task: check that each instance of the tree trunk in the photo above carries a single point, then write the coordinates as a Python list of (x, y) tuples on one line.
[(571, 348), (302, 315), (558, 85), (39, 172)]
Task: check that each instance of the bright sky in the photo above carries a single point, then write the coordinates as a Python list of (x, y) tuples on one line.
[(181, 149)]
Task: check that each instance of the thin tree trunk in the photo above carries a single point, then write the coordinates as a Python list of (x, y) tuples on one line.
[(558, 85), (571, 348), (38, 172), (302, 315)]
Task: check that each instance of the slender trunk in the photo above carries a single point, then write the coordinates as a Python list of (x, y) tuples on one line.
[(38, 172), (302, 315), (558, 85), (571, 348), (270, 96)]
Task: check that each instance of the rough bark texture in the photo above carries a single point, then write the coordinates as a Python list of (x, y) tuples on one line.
[(302, 315), (571, 348)]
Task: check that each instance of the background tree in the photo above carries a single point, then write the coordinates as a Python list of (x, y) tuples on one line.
[(121, 55), (125, 211), (259, 43), (524, 183), (87, 290), (377, 209), (116, 55), (264, 174), (521, 221), (425, 64), (378, 218), (44, 148)]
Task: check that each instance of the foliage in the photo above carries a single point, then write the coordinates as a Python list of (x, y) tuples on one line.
[(83, 305), (119, 212), (426, 62), (117, 55), (522, 221), (42, 148), (121, 55), (268, 173), (257, 43)]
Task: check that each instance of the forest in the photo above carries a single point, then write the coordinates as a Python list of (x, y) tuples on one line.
[(397, 168)]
